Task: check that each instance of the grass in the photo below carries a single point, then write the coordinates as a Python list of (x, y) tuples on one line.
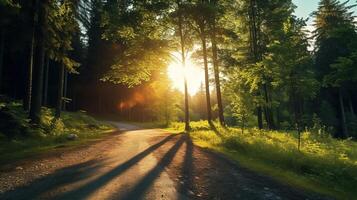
[(20, 139), (323, 164)]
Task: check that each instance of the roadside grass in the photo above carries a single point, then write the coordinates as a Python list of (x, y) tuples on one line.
[(323, 164), (19, 139)]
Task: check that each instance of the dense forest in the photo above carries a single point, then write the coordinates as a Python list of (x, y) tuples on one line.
[(262, 66)]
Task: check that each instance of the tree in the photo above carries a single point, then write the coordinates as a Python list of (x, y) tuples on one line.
[(142, 40), (183, 59), (343, 73), (62, 28), (259, 26), (335, 36), (213, 35), (291, 70), (199, 13), (37, 86)]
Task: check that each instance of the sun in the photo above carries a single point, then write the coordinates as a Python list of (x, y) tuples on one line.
[(193, 72)]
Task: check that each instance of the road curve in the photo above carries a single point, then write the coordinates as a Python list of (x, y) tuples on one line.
[(140, 164)]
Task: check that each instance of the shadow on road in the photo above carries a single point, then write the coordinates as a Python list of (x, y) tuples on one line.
[(77, 173), (139, 190), (50, 182), (89, 188), (197, 174)]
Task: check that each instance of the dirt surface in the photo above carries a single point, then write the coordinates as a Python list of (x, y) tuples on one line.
[(139, 164)]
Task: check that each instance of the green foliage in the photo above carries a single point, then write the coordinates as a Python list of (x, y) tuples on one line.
[(163, 100), (323, 163), (141, 36), (272, 70), (62, 25), (336, 38), (344, 70), (331, 18), (23, 139)]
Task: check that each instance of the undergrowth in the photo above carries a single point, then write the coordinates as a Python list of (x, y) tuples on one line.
[(19, 139)]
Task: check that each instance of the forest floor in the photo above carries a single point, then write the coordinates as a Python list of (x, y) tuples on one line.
[(136, 163)]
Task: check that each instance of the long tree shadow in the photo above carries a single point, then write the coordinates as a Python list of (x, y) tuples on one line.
[(140, 189), (89, 188), (60, 178), (74, 174), (214, 129), (186, 185)]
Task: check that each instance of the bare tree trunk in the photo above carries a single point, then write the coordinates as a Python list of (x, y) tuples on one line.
[(268, 111), (2, 47), (28, 94), (243, 123), (60, 91), (352, 110), (45, 84), (36, 102), (65, 89), (260, 117), (343, 116), (183, 57), (208, 97), (216, 73)]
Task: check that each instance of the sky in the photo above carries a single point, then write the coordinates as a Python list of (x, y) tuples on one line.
[(306, 7)]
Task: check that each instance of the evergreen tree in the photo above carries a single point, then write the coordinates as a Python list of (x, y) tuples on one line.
[(335, 36)]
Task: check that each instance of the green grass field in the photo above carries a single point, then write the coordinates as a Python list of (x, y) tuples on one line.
[(323, 164), (26, 140)]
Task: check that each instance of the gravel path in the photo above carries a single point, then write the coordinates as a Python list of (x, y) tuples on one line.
[(139, 164)]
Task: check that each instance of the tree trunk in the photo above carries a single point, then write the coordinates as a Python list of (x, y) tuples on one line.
[(28, 93), (343, 115), (60, 91), (208, 97), (243, 123), (260, 117), (65, 90), (183, 57), (45, 84), (2, 49), (36, 97), (254, 49), (278, 117), (216, 73), (352, 110), (268, 111)]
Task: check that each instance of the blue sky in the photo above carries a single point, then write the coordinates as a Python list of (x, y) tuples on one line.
[(306, 7)]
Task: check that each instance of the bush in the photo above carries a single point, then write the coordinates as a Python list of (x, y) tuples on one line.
[(20, 138)]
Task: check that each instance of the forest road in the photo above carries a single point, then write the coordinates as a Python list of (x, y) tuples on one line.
[(139, 163)]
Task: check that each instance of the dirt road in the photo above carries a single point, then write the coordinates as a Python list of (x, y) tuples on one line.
[(139, 164)]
